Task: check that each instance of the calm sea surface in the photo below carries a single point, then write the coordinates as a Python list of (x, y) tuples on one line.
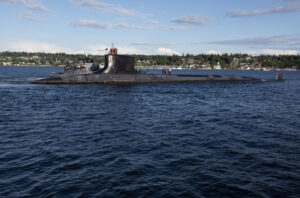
[(156, 140)]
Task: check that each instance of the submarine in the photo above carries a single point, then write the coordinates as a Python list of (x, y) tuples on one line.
[(120, 69)]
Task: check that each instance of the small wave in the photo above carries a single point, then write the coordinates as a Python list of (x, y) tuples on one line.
[(5, 79), (4, 82), (169, 140)]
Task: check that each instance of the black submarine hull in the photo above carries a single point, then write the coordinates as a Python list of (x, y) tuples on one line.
[(119, 69), (140, 79)]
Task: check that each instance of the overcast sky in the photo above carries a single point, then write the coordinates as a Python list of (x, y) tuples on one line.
[(151, 26)]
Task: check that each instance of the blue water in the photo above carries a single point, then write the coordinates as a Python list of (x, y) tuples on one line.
[(157, 140)]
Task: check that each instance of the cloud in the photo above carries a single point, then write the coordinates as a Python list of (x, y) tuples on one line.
[(288, 7), (30, 46), (100, 50), (166, 27), (191, 20), (33, 46), (280, 52), (275, 52), (287, 40), (14, 1), (29, 16), (37, 7), (166, 51), (130, 50), (91, 24), (127, 26), (213, 52), (151, 44), (33, 5), (104, 25), (107, 8)]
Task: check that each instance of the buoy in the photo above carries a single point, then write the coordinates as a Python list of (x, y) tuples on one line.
[(279, 76)]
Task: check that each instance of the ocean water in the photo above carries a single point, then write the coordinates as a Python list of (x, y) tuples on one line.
[(158, 140)]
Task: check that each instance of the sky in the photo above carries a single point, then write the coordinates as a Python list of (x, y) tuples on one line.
[(149, 27)]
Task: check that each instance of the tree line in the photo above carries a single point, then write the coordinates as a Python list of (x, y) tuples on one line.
[(224, 60)]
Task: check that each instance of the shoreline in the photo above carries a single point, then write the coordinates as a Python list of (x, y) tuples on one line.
[(165, 67)]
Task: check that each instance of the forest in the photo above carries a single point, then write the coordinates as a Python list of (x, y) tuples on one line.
[(224, 61)]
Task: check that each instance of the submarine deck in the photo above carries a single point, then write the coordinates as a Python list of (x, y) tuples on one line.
[(139, 79)]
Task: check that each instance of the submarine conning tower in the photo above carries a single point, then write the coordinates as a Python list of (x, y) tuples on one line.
[(118, 64)]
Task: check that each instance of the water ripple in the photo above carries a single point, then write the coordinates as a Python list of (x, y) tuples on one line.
[(167, 140)]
